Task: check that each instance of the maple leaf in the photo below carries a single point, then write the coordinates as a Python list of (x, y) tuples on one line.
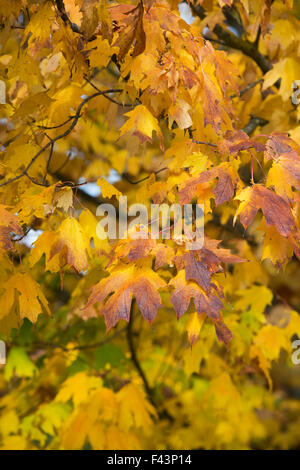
[(194, 325), (142, 124), (19, 364), (223, 190), (287, 69), (275, 209), (237, 140), (69, 246), (124, 285), (185, 291), (23, 291), (101, 52), (89, 225), (276, 247), (201, 264), (222, 95), (9, 224), (128, 21), (285, 171), (196, 270), (36, 202), (207, 303), (107, 189), (135, 410), (212, 106), (79, 388), (133, 249)]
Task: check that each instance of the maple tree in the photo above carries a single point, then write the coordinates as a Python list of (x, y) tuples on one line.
[(143, 343)]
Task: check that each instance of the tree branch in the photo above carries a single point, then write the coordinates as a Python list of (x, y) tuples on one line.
[(62, 11), (145, 178), (60, 136), (244, 45), (247, 88), (134, 356), (83, 347), (253, 123)]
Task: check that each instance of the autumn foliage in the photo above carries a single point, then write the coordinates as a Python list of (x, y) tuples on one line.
[(143, 343)]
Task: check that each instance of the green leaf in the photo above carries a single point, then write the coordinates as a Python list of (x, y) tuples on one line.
[(19, 363)]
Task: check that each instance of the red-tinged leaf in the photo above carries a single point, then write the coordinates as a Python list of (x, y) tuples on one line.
[(223, 190), (196, 271), (211, 104), (285, 152), (280, 144), (237, 140), (275, 209), (225, 71), (128, 21), (8, 224), (201, 264), (185, 291), (115, 294), (223, 332), (223, 254)]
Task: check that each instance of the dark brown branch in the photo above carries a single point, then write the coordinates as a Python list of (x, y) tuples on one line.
[(247, 88), (253, 123), (62, 11), (64, 163), (217, 41), (256, 41), (33, 180), (60, 136), (58, 126), (109, 97), (163, 413), (143, 179), (244, 45), (134, 356), (199, 142), (48, 161)]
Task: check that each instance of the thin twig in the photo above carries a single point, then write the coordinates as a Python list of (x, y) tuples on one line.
[(41, 344), (48, 161), (248, 48), (200, 142), (64, 163), (62, 11), (247, 88), (143, 179), (60, 136), (109, 97), (59, 125)]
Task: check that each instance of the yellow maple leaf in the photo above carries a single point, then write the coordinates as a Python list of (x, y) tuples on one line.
[(107, 189), (101, 52), (30, 300), (90, 227), (288, 70), (135, 410), (142, 124), (78, 388), (194, 325)]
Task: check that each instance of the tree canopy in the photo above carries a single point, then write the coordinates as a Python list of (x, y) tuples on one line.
[(147, 343)]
